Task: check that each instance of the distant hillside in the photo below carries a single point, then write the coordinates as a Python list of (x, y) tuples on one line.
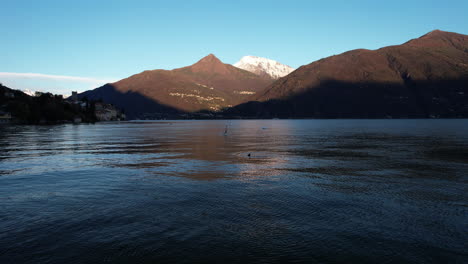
[(208, 84), (424, 77)]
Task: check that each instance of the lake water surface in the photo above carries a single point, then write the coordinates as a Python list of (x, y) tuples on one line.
[(312, 191)]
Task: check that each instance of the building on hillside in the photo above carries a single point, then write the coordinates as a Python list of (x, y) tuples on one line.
[(74, 96), (107, 112)]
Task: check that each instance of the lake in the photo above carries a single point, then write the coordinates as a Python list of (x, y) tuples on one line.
[(311, 191)]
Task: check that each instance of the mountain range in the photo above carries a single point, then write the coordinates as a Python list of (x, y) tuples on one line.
[(208, 84), (424, 77)]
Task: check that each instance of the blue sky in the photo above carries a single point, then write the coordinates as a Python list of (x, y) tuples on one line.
[(101, 41)]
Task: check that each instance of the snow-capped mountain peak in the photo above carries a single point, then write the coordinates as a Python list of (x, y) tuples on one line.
[(263, 66)]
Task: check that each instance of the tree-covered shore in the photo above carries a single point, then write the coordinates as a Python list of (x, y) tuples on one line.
[(45, 108)]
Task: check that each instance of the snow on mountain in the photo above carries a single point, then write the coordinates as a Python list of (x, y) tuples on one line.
[(28, 92), (263, 66)]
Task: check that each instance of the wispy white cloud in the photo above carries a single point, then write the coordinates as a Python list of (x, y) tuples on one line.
[(57, 84), (53, 77)]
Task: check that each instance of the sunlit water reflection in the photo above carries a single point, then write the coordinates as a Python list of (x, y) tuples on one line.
[(184, 191)]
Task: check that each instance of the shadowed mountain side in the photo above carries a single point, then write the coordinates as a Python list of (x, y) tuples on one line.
[(435, 56), (335, 99), (134, 104)]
